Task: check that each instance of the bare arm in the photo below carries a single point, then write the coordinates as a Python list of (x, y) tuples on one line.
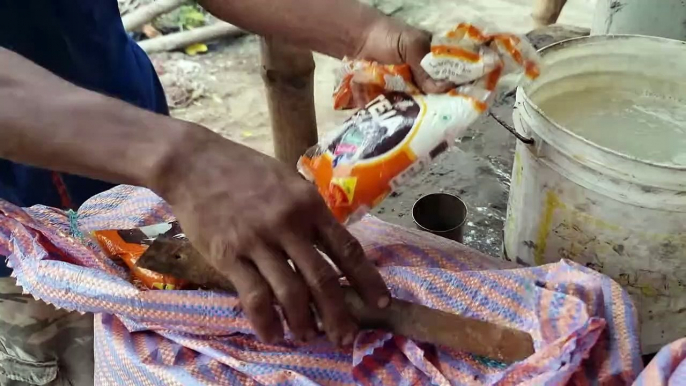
[(245, 212), (333, 27), (336, 28), (50, 123)]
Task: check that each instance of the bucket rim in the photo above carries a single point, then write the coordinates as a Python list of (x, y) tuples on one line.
[(593, 38)]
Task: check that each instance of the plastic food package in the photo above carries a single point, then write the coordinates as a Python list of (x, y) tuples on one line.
[(130, 244), (461, 55), (399, 131), (360, 81)]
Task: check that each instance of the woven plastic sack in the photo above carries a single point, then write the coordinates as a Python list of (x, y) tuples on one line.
[(583, 324)]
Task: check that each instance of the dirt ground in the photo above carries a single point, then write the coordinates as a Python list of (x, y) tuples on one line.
[(227, 95)]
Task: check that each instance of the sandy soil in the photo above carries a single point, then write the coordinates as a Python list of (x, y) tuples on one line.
[(231, 101)]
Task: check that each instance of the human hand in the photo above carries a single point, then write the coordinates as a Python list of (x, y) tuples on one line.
[(248, 214), (391, 41)]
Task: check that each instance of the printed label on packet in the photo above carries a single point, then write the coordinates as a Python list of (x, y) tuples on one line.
[(343, 190), (460, 69), (375, 130), (163, 286), (354, 168), (403, 178), (395, 83)]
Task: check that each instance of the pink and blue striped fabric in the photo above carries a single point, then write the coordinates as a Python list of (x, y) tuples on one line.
[(583, 323)]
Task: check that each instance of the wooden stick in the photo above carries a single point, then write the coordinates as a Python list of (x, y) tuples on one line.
[(180, 259), (139, 17), (288, 74), (186, 38), (546, 12)]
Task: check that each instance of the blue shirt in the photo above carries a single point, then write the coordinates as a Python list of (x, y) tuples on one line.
[(84, 42)]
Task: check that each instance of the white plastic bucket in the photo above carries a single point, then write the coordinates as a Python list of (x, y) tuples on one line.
[(662, 18), (573, 199)]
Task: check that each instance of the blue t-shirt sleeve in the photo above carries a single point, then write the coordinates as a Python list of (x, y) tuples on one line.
[(84, 42)]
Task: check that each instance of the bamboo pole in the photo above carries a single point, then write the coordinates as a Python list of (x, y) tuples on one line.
[(288, 74)]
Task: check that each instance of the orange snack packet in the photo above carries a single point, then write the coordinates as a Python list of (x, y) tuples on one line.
[(466, 53), (461, 55), (398, 132), (130, 244), (516, 54), (378, 149), (360, 81)]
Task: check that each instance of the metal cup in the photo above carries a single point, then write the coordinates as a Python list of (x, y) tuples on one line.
[(441, 214)]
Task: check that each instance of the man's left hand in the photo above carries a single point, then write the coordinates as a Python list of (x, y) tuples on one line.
[(391, 41)]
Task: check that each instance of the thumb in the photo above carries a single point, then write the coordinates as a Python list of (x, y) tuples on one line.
[(427, 84), (413, 46)]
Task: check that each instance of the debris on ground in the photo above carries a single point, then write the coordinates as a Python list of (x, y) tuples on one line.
[(178, 77)]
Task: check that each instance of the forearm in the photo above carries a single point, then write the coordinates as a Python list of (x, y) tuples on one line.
[(334, 27), (50, 123)]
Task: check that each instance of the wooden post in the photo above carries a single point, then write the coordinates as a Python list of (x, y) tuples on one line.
[(288, 74), (546, 12)]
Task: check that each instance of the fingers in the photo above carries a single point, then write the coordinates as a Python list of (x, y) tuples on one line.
[(290, 291), (414, 45), (361, 95), (347, 253), (428, 84), (257, 301), (328, 295)]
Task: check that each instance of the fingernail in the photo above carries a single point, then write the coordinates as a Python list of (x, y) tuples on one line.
[(348, 339), (383, 302)]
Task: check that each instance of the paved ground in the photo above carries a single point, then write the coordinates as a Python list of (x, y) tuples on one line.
[(232, 102)]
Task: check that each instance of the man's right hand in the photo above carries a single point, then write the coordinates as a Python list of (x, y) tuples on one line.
[(248, 214), (245, 212)]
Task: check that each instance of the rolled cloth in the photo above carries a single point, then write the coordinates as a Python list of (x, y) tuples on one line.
[(583, 323)]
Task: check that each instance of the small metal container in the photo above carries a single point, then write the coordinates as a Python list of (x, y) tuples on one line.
[(442, 214)]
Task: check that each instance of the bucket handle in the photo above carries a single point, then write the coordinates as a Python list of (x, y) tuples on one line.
[(528, 141)]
